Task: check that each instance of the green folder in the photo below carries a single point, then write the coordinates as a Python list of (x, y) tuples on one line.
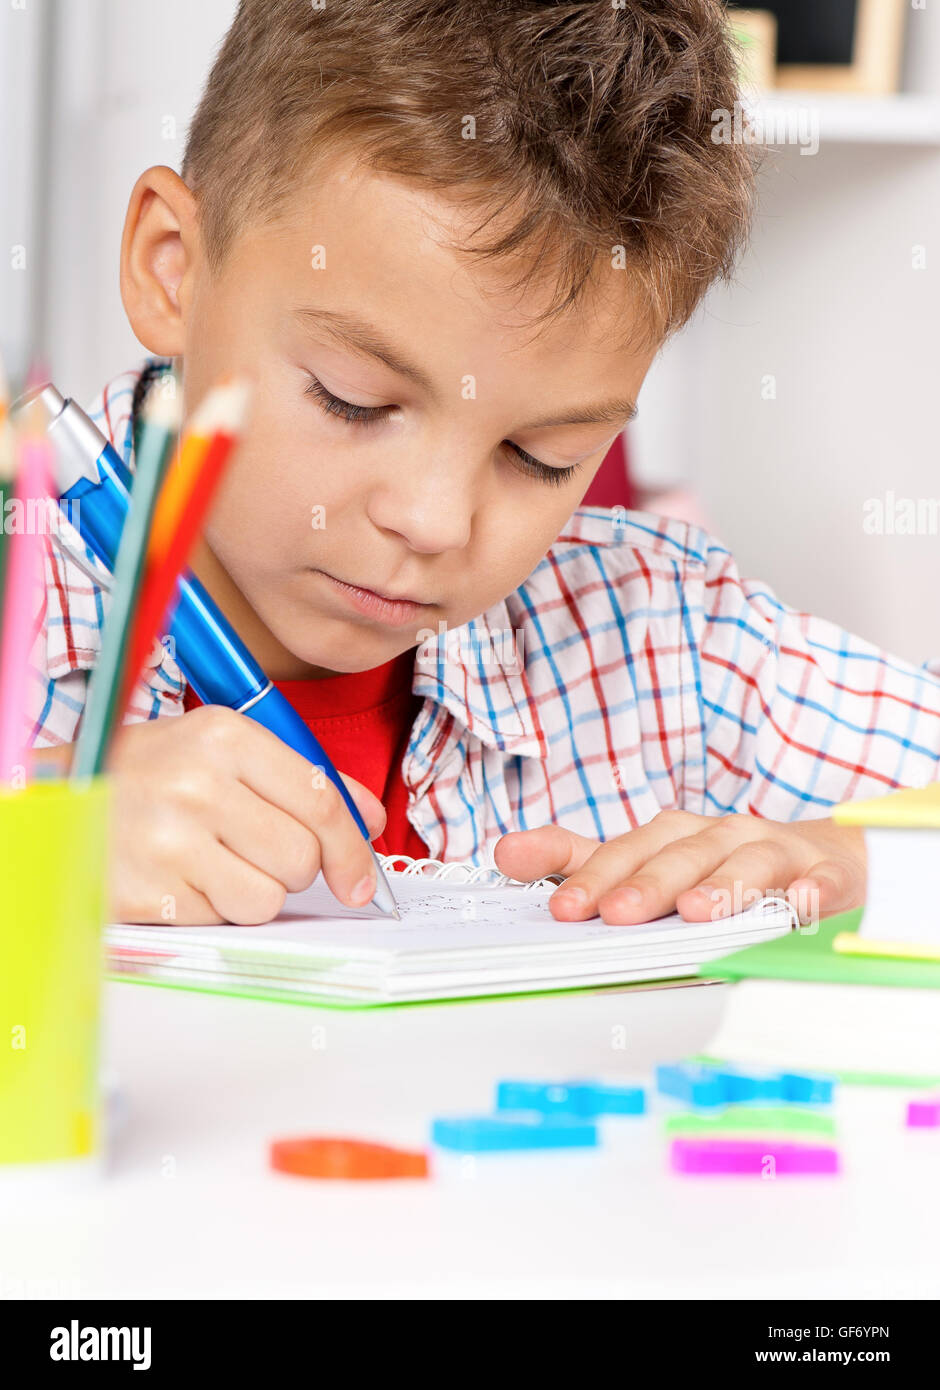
[(810, 956), (313, 1001)]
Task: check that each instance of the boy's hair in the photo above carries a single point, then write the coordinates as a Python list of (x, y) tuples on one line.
[(574, 129)]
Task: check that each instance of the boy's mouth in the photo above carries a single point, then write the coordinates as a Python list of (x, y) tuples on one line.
[(383, 608)]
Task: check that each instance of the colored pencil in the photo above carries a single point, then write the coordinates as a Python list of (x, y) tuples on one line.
[(160, 419), (184, 502), (22, 589), (6, 474), (6, 428)]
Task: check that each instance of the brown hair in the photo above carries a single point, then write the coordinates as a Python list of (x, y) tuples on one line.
[(593, 128)]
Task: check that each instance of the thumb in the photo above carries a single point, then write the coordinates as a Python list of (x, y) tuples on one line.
[(551, 849), (370, 807)]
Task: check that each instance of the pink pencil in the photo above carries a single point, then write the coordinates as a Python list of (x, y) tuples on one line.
[(24, 571)]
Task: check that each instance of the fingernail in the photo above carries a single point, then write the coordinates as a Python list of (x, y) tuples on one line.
[(706, 892), (710, 900), (632, 897), (570, 899), (363, 891)]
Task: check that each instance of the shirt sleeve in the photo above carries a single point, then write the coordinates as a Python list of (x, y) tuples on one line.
[(799, 715)]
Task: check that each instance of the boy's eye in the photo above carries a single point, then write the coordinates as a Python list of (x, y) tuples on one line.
[(353, 414), (367, 414), (543, 471)]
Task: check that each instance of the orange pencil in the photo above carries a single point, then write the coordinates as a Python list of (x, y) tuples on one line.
[(184, 501)]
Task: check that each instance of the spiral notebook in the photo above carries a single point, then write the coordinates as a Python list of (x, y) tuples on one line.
[(465, 931)]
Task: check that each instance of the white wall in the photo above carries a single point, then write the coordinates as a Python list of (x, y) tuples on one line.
[(828, 305), (122, 88), (826, 301), (125, 89), (22, 245)]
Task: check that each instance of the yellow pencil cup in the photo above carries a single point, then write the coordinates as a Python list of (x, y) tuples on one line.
[(53, 900)]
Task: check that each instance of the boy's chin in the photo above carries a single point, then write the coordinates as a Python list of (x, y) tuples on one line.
[(357, 651)]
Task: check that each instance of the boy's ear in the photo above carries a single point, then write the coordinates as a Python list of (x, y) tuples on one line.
[(159, 250)]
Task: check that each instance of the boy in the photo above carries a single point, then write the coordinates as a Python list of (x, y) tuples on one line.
[(446, 243)]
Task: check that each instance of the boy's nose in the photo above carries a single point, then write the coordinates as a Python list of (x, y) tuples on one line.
[(430, 506)]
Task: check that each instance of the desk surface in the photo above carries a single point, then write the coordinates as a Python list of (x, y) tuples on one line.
[(190, 1209)]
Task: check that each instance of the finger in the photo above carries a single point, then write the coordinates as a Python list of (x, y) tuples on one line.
[(370, 807), (136, 898), (750, 872), (282, 777), (190, 909), (345, 857), (616, 861), (833, 885), (269, 838), (550, 849), (266, 764), (238, 891)]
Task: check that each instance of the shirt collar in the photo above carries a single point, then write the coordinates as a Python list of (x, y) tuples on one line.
[(477, 673)]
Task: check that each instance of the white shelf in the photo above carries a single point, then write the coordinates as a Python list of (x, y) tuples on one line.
[(890, 120)]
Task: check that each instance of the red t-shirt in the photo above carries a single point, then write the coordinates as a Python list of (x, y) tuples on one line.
[(363, 719)]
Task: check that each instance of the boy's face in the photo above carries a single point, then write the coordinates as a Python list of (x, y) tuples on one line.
[(415, 489)]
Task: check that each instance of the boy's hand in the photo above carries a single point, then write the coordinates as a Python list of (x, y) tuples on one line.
[(704, 867), (214, 819)]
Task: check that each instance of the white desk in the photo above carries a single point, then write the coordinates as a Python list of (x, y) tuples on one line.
[(190, 1208)]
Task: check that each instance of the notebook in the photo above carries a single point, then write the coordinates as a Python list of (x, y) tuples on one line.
[(465, 931)]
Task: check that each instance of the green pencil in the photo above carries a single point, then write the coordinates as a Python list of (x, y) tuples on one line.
[(160, 421)]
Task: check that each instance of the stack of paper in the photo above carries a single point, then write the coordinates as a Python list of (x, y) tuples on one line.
[(452, 941), (861, 1032), (859, 995), (902, 903)]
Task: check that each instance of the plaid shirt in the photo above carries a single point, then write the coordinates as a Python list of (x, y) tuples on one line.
[(633, 671)]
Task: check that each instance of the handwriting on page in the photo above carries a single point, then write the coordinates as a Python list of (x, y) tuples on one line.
[(425, 909)]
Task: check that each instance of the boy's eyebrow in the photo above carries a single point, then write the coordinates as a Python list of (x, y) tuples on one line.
[(605, 412), (364, 337), (356, 333)]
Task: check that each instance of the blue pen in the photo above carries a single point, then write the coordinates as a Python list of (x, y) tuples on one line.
[(96, 487)]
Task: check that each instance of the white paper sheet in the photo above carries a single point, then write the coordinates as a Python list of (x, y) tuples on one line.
[(451, 940)]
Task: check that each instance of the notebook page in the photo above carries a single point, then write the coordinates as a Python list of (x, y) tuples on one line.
[(438, 920)]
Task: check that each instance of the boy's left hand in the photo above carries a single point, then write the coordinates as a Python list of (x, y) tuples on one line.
[(703, 867)]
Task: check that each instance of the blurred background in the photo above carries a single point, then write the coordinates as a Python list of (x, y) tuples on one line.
[(798, 407)]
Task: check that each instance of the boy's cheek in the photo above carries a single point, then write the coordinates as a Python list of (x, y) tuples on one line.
[(275, 501)]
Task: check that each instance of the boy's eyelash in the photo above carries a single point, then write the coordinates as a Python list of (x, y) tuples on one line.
[(553, 476), (369, 414), (352, 414)]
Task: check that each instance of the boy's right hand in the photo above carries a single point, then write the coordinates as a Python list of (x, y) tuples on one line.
[(214, 820)]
